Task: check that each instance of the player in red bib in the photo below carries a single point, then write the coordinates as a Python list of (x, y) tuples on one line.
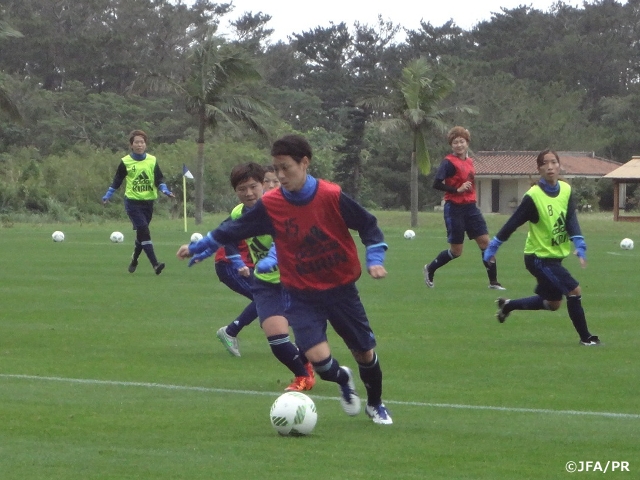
[(310, 220), (455, 177)]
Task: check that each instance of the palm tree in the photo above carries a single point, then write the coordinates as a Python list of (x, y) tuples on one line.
[(216, 92), (415, 106), (6, 104), (215, 95)]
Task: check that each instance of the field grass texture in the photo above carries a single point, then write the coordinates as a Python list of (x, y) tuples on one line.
[(111, 375)]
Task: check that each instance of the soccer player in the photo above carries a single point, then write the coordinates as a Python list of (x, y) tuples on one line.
[(235, 269), (266, 291), (550, 210), (455, 177), (309, 220), (144, 179)]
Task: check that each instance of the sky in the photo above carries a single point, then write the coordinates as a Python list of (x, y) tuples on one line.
[(296, 16)]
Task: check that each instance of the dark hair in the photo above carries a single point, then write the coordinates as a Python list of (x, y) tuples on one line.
[(294, 146), (138, 133), (245, 171), (540, 157), (269, 168), (456, 132)]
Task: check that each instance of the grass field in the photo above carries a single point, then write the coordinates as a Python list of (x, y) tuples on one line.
[(111, 375)]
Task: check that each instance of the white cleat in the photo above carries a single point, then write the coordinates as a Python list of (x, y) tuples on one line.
[(229, 342), (349, 399), (379, 414)]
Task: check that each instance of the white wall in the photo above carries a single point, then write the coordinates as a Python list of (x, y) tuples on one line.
[(510, 188)]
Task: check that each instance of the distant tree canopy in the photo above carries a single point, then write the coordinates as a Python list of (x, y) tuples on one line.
[(567, 78)]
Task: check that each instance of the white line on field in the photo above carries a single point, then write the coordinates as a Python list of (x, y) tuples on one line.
[(319, 397)]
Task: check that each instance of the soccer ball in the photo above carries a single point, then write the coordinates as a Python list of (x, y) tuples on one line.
[(626, 244), (196, 237), (57, 236), (116, 237), (293, 413), (409, 234)]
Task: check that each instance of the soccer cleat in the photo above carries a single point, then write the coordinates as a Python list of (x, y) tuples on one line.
[(349, 399), (496, 286), (133, 265), (428, 276), (229, 342), (501, 315), (592, 341), (158, 268), (300, 384), (379, 414), (311, 372)]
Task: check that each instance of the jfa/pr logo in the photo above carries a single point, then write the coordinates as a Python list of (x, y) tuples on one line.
[(590, 466)]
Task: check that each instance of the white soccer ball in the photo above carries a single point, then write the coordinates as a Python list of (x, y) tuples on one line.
[(57, 236), (196, 237), (116, 237), (293, 413), (626, 244), (409, 234)]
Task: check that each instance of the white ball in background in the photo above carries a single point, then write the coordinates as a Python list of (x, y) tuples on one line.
[(196, 237), (116, 237), (57, 236), (409, 234), (626, 244)]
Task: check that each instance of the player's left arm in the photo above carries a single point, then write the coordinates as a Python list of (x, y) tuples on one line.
[(575, 233), (356, 217), (159, 181)]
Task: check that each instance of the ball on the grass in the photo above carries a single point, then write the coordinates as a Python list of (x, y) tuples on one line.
[(626, 244), (196, 237), (409, 234), (293, 413), (57, 236), (116, 237)]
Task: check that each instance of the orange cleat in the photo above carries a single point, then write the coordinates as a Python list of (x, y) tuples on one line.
[(301, 384), (312, 373)]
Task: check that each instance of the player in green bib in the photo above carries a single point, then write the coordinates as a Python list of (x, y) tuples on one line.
[(549, 208), (144, 179)]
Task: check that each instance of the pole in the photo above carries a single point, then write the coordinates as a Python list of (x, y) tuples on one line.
[(184, 201)]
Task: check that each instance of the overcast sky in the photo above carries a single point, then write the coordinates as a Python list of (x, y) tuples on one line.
[(296, 16)]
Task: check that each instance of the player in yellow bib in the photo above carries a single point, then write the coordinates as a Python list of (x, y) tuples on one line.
[(549, 208), (144, 179)]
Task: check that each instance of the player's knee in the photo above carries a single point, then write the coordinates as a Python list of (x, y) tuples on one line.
[(143, 234), (554, 305), (363, 358)]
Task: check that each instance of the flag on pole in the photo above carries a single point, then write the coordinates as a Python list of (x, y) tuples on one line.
[(185, 174)]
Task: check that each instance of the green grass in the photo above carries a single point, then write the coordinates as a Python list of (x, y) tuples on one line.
[(108, 375)]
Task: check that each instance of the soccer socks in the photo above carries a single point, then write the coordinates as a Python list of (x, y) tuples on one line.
[(576, 314), (441, 260), (528, 303), (371, 376), (492, 269), (248, 315), (288, 354), (329, 370), (137, 250), (147, 246)]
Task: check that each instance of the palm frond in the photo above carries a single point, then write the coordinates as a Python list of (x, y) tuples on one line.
[(7, 31), (422, 154)]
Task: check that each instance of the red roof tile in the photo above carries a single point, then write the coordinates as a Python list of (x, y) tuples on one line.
[(578, 164)]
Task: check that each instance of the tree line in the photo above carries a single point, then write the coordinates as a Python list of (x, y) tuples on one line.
[(76, 77)]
